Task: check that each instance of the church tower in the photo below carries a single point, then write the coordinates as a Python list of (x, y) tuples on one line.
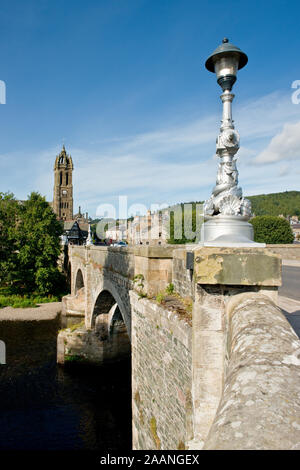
[(63, 187)]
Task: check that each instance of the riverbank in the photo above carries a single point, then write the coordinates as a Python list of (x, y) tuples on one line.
[(46, 312), (47, 407)]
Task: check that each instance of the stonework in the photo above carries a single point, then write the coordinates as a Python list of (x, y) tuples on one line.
[(161, 377), (260, 404), (108, 343), (228, 379), (287, 252), (151, 229), (181, 275), (63, 186)]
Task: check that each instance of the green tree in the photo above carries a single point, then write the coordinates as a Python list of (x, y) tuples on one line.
[(188, 219), (271, 230), (38, 244), (286, 203), (9, 214)]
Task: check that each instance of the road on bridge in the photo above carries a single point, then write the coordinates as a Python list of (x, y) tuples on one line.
[(290, 289), (290, 282)]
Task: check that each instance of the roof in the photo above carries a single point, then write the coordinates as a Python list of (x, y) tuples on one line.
[(68, 224)]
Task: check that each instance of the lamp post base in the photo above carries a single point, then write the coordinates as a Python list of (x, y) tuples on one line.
[(228, 230)]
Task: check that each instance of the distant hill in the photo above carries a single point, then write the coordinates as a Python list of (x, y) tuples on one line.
[(287, 203)]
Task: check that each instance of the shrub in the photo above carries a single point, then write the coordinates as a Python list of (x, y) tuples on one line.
[(170, 289), (272, 230), (160, 297), (49, 280)]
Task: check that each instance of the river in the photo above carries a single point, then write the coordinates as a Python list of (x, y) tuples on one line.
[(44, 406)]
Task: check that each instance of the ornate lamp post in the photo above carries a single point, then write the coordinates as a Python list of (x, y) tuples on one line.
[(226, 212), (89, 240)]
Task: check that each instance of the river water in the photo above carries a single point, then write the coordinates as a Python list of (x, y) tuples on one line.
[(44, 406)]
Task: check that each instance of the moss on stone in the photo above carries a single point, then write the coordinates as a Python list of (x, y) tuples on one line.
[(137, 398), (74, 358), (153, 430)]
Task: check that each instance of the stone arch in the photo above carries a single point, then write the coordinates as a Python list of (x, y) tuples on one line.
[(69, 275), (107, 297), (79, 281), (109, 327), (116, 324)]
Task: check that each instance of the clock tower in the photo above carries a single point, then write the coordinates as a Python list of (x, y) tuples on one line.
[(63, 187)]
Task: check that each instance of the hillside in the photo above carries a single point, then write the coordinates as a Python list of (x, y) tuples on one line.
[(287, 203)]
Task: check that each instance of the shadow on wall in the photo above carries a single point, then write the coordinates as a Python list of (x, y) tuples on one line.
[(111, 312)]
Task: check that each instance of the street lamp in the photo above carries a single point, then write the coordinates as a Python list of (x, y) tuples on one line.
[(226, 212)]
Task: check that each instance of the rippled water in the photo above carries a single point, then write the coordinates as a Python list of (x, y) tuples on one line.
[(44, 406)]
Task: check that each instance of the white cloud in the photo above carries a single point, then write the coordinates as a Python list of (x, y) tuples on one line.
[(170, 164), (284, 146)]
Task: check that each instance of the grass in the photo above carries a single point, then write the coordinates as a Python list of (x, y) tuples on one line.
[(8, 299), (76, 326), (74, 358)]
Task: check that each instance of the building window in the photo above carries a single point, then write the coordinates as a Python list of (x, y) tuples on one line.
[(60, 178), (67, 179)]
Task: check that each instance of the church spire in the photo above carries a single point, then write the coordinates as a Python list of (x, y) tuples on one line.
[(63, 187)]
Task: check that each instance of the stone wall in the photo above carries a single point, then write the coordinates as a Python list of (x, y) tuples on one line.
[(161, 377), (219, 275), (287, 252), (181, 276), (114, 270), (108, 342), (227, 381), (260, 405)]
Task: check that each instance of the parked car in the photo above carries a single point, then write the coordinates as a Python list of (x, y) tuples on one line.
[(119, 244)]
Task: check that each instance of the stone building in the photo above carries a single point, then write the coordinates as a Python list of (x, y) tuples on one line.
[(151, 229), (63, 186), (75, 225)]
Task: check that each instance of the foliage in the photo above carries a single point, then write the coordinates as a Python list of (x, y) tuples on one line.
[(160, 297), (286, 203), (9, 214), (272, 230), (170, 289), (74, 358), (28, 259), (8, 299), (138, 280), (185, 223), (76, 326)]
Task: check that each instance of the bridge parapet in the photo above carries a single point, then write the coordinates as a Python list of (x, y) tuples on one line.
[(218, 375), (260, 404)]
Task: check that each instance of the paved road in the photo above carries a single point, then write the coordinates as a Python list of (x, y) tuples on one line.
[(290, 289), (290, 282)]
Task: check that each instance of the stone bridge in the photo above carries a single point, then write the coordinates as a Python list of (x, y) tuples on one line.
[(101, 277), (215, 364)]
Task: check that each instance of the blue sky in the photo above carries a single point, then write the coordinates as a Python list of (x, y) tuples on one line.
[(122, 83)]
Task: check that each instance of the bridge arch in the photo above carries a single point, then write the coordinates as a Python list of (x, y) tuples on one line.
[(69, 276), (109, 303), (110, 328), (79, 281)]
